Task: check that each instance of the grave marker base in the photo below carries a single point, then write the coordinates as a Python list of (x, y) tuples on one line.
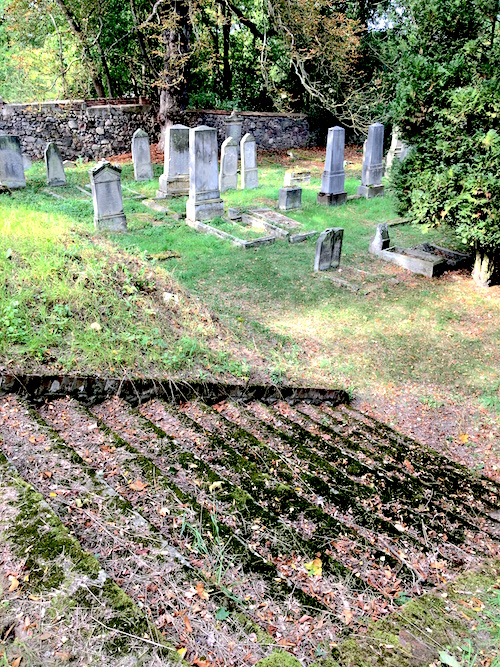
[(370, 191), (331, 199)]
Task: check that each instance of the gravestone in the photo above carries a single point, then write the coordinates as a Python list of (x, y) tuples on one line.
[(397, 151), (290, 198), (371, 176), (175, 178), (105, 183), (54, 165), (27, 163), (249, 171), (296, 176), (228, 176), (233, 125), (141, 156), (11, 162), (204, 202), (328, 249), (381, 240), (333, 192)]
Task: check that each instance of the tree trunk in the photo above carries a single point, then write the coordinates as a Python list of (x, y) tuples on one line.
[(487, 267), (226, 65)]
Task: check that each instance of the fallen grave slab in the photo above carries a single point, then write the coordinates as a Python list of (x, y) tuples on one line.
[(275, 218), (262, 225), (242, 243), (155, 206), (302, 236)]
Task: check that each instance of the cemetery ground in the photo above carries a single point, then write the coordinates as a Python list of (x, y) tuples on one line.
[(163, 300)]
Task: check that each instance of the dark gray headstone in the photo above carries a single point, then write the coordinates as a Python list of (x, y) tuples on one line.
[(290, 198), (105, 183), (11, 162), (373, 168), (204, 202), (249, 171), (54, 165), (141, 156), (228, 176), (381, 240), (233, 125), (328, 249), (333, 190), (175, 178)]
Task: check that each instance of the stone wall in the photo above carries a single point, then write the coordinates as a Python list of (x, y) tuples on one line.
[(93, 129)]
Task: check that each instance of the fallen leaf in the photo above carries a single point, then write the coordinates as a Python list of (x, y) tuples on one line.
[(348, 616), (200, 589), (314, 568), (137, 485), (14, 584), (187, 623), (215, 485), (463, 437), (16, 662), (182, 651)]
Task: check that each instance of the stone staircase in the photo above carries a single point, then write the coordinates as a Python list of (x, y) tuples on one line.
[(239, 524)]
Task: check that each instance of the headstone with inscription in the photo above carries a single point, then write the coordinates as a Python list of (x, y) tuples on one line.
[(175, 178), (54, 165), (11, 162), (105, 183), (204, 202), (328, 249), (141, 156), (249, 171), (373, 169), (228, 176), (333, 192)]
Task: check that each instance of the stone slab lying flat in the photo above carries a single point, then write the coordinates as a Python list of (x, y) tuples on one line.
[(263, 225), (275, 218), (301, 236), (208, 229), (424, 264), (155, 206)]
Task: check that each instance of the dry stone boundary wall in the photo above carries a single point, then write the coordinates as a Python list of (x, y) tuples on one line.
[(93, 131)]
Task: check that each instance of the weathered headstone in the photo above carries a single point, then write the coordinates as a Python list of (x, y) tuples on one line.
[(296, 176), (27, 163), (105, 183), (381, 240), (328, 249), (11, 162), (397, 151), (54, 165), (175, 178), (141, 156), (234, 124), (249, 171), (290, 198), (333, 192), (204, 202), (371, 176), (228, 176)]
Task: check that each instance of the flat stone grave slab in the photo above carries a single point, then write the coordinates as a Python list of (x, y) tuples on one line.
[(296, 177), (227, 230), (264, 226), (161, 208), (359, 281), (275, 218)]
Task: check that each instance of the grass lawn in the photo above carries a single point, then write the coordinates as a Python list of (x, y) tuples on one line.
[(421, 353)]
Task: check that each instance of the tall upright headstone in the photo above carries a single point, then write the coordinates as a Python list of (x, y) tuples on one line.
[(11, 162), (373, 169), (329, 249), (228, 175), (249, 171), (105, 183), (54, 165), (204, 202), (175, 178), (141, 156), (333, 190), (233, 125), (397, 151)]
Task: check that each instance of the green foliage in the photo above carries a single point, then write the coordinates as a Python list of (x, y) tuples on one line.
[(447, 106)]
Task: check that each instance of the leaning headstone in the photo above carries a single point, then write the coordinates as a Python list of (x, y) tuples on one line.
[(397, 151), (328, 249), (204, 202), (27, 163), (11, 162), (233, 125), (175, 178), (54, 165), (141, 156), (381, 240), (290, 198), (228, 176), (371, 176), (333, 192), (105, 183), (249, 171)]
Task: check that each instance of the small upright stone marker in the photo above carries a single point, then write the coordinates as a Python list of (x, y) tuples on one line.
[(228, 176), (175, 178), (328, 249), (397, 151), (11, 162), (333, 191), (204, 201), (381, 240), (249, 171), (234, 124), (54, 165), (290, 198), (105, 183), (371, 177), (141, 156)]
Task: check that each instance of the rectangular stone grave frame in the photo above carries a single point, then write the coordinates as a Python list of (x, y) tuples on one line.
[(262, 225), (54, 165), (333, 192), (373, 168), (228, 175), (141, 156), (242, 243), (328, 249), (105, 183), (249, 171), (204, 202), (11, 162), (174, 182)]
